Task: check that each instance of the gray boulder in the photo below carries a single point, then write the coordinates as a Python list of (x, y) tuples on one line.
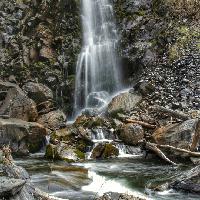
[(9, 187), (38, 92), (123, 102), (23, 137), (182, 135), (53, 120), (131, 133), (15, 103)]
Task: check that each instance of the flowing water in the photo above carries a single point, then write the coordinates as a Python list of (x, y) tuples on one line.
[(97, 67), (85, 181)]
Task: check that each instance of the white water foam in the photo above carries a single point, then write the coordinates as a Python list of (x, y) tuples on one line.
[(101, 185)]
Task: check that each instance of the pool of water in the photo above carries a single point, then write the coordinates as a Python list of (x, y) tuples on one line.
[(85, 181)]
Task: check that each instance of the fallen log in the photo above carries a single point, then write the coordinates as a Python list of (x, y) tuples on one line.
[(170, 112), (190, 153), (144, 124), (153, 147)]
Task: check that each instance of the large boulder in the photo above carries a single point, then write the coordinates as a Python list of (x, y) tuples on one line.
[(104, 150), (53, 120), (131, 133), (15, 103), (38, 92), (123, 102), (189, 181), (9, 187), (41, 95), (23, 137), (182, 135)]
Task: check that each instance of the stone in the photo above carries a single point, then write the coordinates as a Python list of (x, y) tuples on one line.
[(23, 137), (53, 120), (104, 150), (118, 196), (181, 135), (144, 88), (38, 92), (9, 187), (189, 181), (123, 102), (131, 133), (16, 103), (63, 152)]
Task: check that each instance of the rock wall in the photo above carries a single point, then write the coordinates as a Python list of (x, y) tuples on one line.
[(159, 42), (40, 41)]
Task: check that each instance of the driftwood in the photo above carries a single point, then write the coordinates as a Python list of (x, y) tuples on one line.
[(147, 125), (156, 148), (153, 147), (172, 113), (190, 153)]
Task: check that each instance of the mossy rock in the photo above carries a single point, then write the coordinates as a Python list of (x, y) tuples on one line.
[(52, 152), (80, 154), (110, 151)]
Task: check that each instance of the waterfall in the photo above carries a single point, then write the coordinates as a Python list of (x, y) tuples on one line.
[(97, 67)]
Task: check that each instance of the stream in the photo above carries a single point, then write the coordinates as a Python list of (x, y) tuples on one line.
[(87, 180)]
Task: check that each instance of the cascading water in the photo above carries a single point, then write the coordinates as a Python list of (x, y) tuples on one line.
[(97, 67)]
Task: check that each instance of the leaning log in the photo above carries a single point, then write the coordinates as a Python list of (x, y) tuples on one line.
[(153, 147), (170, 112)]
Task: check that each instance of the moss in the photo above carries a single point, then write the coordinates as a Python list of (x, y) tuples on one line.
[(51, 152), (79, 154), (110, 151)]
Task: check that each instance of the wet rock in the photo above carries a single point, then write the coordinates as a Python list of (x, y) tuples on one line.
[(131, 133), (104, 150), (23, 137), (188, 182), (97, 99), (25, 188), (63, 152), (114, 196), (53, 120), (123, 102), (182, 135), (9, 187), (16, 103)]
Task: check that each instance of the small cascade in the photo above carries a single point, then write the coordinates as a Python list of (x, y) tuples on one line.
[(107, 136), (47, 139)]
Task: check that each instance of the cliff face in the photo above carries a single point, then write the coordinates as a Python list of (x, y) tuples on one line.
[(159, 42), (40, 41)]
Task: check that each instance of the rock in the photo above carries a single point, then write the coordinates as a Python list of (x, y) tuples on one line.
[(38, 92), (123, 102), (21, 187), (104, 150), (144, 88), (53, 120), (131, 133), (118, 196), (23, 137), (64, 152), (189, 181), (16, 103), (97, 99), (182, 135), (9, 187)]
